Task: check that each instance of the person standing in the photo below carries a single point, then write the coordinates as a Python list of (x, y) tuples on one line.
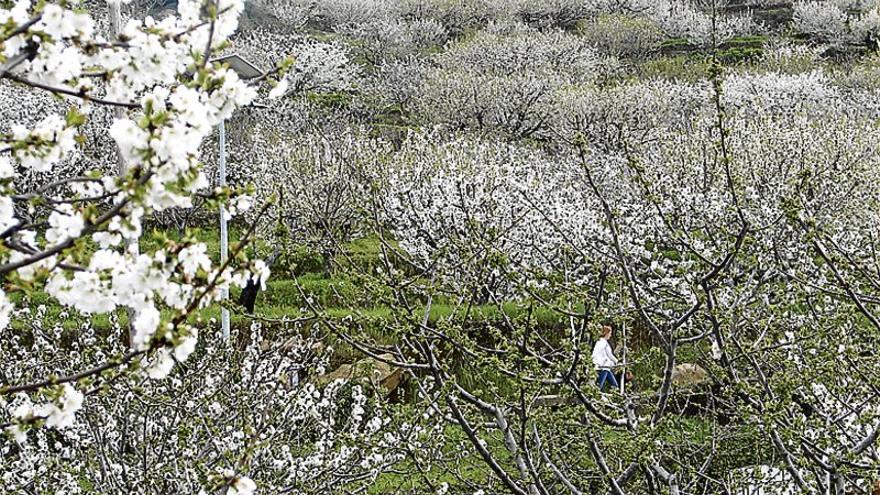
[(604, 360)]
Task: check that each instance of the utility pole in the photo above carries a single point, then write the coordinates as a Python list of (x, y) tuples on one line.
[(623, 375), (131, 245), (224, 232), (115, 23), (245, 70)]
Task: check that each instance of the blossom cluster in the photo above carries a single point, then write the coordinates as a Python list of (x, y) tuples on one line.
[(838, 21), (722, 213), (260, 403), (172, 95), (506, 81)]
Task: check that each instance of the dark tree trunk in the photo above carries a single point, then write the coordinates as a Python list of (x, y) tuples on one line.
[(248, 296)]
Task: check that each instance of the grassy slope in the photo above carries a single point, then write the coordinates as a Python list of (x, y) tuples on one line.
[(343, 295)]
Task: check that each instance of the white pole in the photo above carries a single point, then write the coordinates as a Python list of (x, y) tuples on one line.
[(115, 30), (623, 375), (131, 245), (224, 235), (115, 19)]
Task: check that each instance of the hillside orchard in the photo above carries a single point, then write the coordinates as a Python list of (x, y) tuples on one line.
[(436, 206)]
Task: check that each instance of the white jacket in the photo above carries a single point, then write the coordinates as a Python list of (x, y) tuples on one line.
[(603, 356)]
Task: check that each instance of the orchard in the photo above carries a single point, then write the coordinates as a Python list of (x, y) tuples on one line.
[(450, 221)]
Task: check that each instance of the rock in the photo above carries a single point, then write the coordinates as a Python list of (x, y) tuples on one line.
[(392, 381), (377, 373), (687, 375)]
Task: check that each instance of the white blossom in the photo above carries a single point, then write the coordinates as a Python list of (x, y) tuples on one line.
[(242, 485)]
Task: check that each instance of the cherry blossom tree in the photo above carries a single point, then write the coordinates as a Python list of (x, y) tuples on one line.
[(839, 21), (506, 81), (323, 181), (740, 234), (62, 234), (244, 419), (524, 191)]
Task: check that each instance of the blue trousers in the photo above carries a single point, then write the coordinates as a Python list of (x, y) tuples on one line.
[(606, 376)]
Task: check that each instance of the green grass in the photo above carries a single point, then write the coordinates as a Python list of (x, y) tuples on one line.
[(754, 41), (672, 44), (453, 440), (680, 67), (339, 297), (347, 297), (677, 434)]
